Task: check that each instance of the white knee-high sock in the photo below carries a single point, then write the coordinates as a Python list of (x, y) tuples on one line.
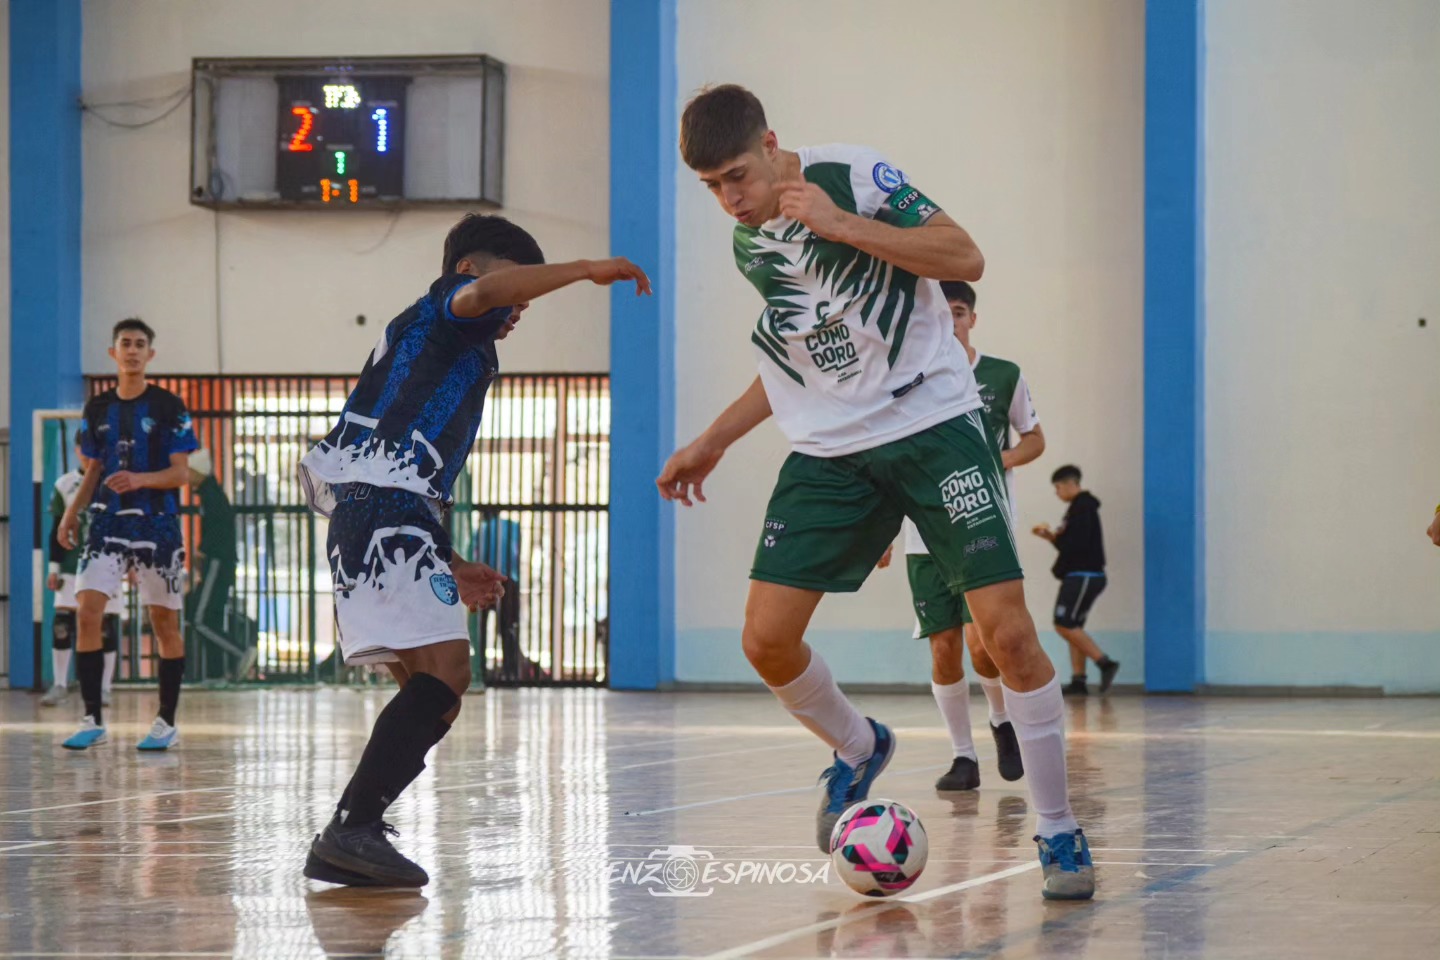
[(1039, 719), (995, 696), (815, 700), (954, 702), (108, 680), (60, 661)]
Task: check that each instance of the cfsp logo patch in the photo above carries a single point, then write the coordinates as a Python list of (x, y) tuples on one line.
[(447, 591), (773, 531)]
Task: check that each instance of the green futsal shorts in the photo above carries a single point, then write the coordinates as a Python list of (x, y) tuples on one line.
[(831, 518), (938, 606)]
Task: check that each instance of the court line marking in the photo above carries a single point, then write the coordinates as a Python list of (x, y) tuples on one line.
[(973, 882), (755, 946), (26, 846), (93, 803), (764, 793), (203, 816)]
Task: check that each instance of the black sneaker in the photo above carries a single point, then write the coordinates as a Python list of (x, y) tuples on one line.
[(964, 774), (317, 869), (1108, 669), (361, 856), (1007, 751), (1076, 688)]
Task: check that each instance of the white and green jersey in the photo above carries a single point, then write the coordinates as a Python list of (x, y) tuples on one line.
[(1006, 398), (854, 352)]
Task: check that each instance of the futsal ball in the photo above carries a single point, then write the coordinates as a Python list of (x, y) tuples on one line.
[(879, 848)]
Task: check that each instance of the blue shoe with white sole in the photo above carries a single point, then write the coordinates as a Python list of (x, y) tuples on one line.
[(1069, 871), (89, 735), (846, 786), (162, 736)]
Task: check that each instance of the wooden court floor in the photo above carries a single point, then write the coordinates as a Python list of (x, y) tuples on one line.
[(592, 824)]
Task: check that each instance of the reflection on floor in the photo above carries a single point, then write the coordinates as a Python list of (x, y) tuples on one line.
[(590, 824)]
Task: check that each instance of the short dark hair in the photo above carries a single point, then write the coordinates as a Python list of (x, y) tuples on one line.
[(959, 290), (492, 237), (1067, 472), (719, 124), (132, 323)]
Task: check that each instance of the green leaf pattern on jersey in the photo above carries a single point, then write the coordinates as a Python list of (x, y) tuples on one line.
[(773, 346), (824, 278)]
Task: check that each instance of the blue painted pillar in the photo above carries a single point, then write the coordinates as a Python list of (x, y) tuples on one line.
[(45, 201), (643, 150), (1174, 345)]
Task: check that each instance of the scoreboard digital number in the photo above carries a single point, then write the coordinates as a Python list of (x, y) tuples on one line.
[(347, 133), (341, 139)]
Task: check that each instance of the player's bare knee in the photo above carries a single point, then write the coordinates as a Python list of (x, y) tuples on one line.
[(947, 655), (758, 648), (167, 632), (450, 665), (980, 658), (457, 677), (89, 613)]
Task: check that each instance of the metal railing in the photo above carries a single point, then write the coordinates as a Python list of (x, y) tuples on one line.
[(531, 501)]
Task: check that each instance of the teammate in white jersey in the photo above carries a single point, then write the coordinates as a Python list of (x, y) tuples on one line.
[(860, 365), (941, 614)]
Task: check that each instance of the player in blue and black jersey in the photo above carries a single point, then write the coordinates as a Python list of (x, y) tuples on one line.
[(383, 476), (136, 439)]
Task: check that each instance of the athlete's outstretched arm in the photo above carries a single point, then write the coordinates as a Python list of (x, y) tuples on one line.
[(509, 286), (690, 466), (940, 249)]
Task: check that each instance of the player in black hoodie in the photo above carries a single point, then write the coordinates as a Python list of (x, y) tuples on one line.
[(1080, 568)]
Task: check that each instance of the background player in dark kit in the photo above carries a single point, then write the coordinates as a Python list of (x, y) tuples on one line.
[(383, 476), (137, 439)]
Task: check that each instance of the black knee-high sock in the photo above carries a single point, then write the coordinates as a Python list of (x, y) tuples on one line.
[(90, 668), (171, 673), (404, 732), (441, 728)]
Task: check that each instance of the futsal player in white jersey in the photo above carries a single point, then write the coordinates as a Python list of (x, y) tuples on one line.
[(860, 366)]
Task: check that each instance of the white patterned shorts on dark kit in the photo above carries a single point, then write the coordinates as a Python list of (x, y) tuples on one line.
[(390, 559)]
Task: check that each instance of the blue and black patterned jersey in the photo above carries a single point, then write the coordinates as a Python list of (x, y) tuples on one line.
[(138, 435), (413, 415)]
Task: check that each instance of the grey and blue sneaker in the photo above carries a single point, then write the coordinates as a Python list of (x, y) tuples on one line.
[(846, 786), (57, 694), (1069, 871), (162, 736), (90, 734)]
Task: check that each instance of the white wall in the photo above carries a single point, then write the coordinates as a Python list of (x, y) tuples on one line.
[(5, 210), (291, 284), (1023, 120), (1323, 393)]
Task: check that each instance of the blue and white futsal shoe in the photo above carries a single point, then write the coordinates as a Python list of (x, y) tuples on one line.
[(1069, 871), (89, 735), (162, 736), (846, 786)]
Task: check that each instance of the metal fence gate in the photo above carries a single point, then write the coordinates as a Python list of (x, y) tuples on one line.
[(532, 501)]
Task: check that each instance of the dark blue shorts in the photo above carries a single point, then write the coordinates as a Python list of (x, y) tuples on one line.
[(1077, 594)]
